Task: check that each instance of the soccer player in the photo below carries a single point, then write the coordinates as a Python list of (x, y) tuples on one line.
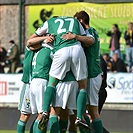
[(92, 52), (68, 55), (24, 103), (65, 96), (40, 73)]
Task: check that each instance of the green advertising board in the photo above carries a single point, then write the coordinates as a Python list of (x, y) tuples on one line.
[(102, 17)]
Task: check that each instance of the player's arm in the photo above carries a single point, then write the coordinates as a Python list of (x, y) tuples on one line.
[(35, 40), (40, 32), (35, 43), (87, 40), (84, 37)]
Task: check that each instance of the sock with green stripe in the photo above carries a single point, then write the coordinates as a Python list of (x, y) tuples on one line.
[(63, 126), (54, 124), (21, 126), (81, 103), (34, 128), (97, 125)]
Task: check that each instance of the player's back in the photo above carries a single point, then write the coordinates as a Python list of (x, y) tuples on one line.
[(62, 25), (41, 63), (27, 65)]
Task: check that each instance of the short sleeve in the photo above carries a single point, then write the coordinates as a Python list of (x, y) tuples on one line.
[(82, 31), (42, 29)]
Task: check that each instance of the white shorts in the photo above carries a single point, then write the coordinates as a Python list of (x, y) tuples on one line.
[(93, 87), (66, 94), (67, 58), (24, 102), (37, 88)]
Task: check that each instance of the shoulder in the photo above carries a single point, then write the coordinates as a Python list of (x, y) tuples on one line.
[(93, 30)]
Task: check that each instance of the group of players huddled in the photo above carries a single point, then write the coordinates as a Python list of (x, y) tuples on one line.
[(62, 77)]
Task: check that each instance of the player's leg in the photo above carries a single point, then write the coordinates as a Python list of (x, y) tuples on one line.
[(71, 105), (62, 93), (93, 89), (63, 120), (81, 99), (24, 107), (72, 117), (50, 93), (102, 97), (22, 122), (37, 89), (53, 119), (60, 66), (34, 128), (79, 69), (66, 98)]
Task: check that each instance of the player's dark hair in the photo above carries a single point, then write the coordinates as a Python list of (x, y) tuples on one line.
[(84, 16)]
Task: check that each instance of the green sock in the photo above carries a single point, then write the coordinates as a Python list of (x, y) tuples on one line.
[(81, 103), (97, 125), (21, 126), (48, 97), (63, 126), (54, 124), (87, 119), (34, 128)]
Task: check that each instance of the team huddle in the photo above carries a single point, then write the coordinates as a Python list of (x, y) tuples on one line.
[(62, 77)]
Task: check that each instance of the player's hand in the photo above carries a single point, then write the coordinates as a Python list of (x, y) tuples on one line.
[(68, 36), (50, 39)]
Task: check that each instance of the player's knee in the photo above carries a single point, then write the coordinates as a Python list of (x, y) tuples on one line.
[(39, 116), (82, 84), (95, 115), (24, 117)]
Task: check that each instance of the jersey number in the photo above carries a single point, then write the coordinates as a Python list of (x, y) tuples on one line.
[(61, 29), (34, 60)]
